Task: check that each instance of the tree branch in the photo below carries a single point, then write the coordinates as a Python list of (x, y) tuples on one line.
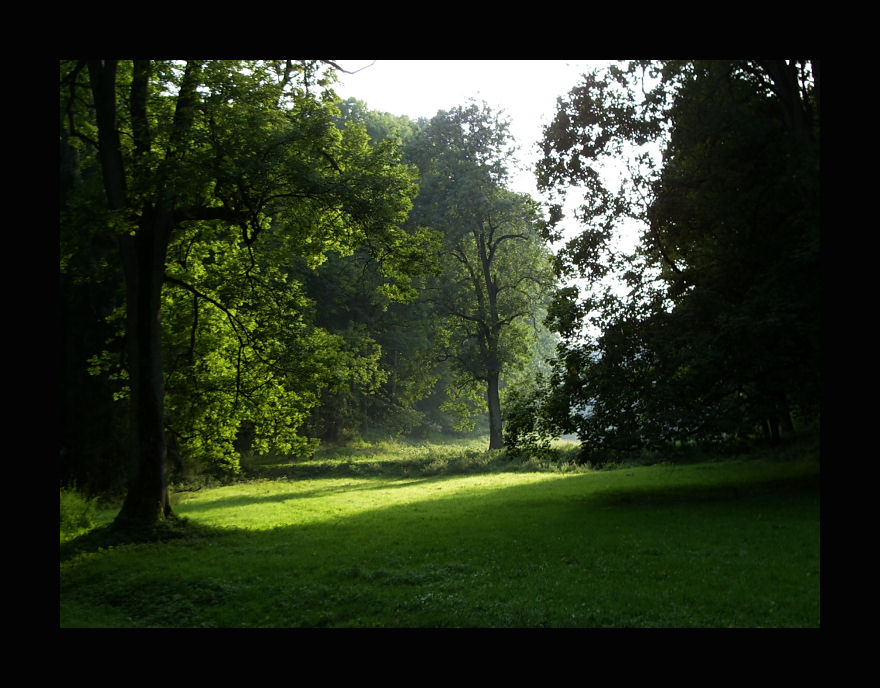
[(345, 71), (232, 321), (102, 78)]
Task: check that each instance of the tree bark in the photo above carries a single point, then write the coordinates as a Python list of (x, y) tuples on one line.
[(493, 327), (102, 79), (143, 256), (496, 440)]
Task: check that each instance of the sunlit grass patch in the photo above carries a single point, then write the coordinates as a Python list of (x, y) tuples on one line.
[(272, 504)]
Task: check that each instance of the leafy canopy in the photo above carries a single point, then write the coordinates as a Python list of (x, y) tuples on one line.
[(261, 182), (718, 332)]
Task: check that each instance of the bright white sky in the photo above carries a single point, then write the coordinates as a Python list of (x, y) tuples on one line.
[(525, 90)]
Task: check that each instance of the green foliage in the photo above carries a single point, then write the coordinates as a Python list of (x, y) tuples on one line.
[(240, 353), (433, 360), (496, 269), (464, 402), (77, 512), (606, 118), (526, 429), (736, 216), (255, 180), (718, 333)]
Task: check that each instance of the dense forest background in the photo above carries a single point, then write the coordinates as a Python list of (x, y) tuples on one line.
[(250, 265)]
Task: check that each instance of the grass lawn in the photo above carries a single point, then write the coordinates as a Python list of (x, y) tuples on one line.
[(449, 536)]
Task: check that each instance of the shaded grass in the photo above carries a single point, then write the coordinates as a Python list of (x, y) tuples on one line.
[(704, 545)]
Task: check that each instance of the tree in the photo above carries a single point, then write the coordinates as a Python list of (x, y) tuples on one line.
[(736, 215), (350, 303), (496, 268), (719, 332), (355, 297), (245, 156)]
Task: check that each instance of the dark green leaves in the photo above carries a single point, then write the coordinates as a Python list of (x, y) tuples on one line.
[(719, 332)]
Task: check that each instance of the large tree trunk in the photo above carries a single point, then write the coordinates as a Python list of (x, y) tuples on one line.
[(144, 260)]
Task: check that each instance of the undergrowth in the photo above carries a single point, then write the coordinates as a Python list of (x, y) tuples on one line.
[(78, 513)]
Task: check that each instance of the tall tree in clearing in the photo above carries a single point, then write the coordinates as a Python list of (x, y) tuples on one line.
[(497, 272), (191, 150)]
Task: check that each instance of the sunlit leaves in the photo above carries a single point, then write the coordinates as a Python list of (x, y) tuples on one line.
[(238, 350), (257, 181)]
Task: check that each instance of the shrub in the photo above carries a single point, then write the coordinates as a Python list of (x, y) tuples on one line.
[(528, 431), (78, 512)]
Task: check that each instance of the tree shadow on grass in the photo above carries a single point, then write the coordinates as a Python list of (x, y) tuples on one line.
[(369, 466), (683, 494), (184, 528), (110, 535)]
